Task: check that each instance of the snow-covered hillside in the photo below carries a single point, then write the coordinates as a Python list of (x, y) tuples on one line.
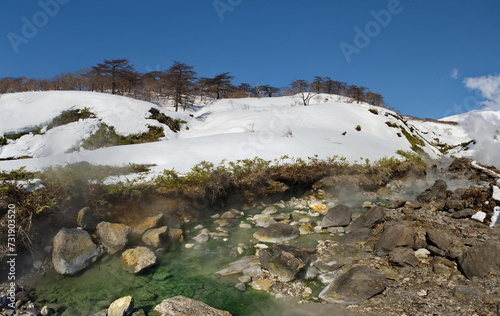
[(228, 129)]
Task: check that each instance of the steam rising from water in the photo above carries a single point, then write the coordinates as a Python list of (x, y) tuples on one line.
[(484, 126)]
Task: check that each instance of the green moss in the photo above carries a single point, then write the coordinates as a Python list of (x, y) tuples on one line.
[(106, 136), (411, 156), (391, 124), (71, 116), (415, 141), (173, 124)]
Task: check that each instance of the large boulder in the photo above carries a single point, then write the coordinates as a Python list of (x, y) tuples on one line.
[(181, 305), (442, 239), (403, 256), (437, 192), (114, 237), (122, 307), (340, 215), (394, 235), (138, 259), (142, 226), (283, 261), (370, 218), (156, 237), (480, 260), (73, 251), (277, 233), (86, 219), (354, 286)]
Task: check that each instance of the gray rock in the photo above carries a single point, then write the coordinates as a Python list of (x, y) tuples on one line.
[(240, 265), (465, 213), (357, 235), (283, 261), (337, 255), (277, 233), (456, 205), (395, 204), (138, 259), (403, 256), (357, 285), (156, 237), (114, 237), (480, 260), (140, 312), (121, 307), (147, 223), (181, 305), (73, 251), (370, 218), (86, 219), (340, 215), (435, 193), (441, 238), (394, 235), (240, 287)]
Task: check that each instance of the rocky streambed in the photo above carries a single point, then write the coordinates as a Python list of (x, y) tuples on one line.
[(434, 251)]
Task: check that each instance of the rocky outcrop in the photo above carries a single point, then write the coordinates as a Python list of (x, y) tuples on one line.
[(277, 233), (396, 234), (73, 251), (156, 237), (114, 237), (403, 256), (437, 192), (283, 261), (480, 260), (181, 305), (138, 259), (340, 215), (122, 307), (354, 286), (142, 226)]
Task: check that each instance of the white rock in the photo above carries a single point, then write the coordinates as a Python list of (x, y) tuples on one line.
[(495, 218), (188, 246), (479, 216), (245, 225), (422, 293), (496, 193), (422, 253), (198, 227), (261, 246)]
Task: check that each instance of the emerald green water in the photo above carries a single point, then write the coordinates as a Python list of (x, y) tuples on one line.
[(181, 271)]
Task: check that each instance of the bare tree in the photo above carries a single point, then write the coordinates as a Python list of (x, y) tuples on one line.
[(302, 88), (218, 85), (112, 74)]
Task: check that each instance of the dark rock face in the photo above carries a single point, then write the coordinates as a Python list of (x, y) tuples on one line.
[(435, 193), (480, 260), (357, 285), (283, 261), (340, 215), (394, 235), (442, 239), (369, 219), (86, 219), (403, 256)]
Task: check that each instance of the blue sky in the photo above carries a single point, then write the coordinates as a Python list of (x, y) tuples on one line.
[(416, 53)]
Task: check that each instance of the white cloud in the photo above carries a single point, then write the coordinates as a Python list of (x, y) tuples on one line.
[(454, 73), (482, 126), (489, 86)]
